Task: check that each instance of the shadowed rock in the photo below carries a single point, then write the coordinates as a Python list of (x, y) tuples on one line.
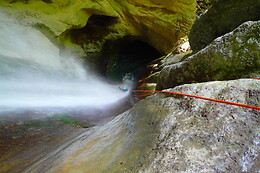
[(222, 17)]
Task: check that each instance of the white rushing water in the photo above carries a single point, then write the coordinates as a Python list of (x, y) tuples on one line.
[(34, 75)]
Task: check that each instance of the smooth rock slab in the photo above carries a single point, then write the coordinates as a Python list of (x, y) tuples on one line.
[(167, 134)]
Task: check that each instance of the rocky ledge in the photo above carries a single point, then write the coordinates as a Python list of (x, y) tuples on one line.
[(90, 23), (232, 56)]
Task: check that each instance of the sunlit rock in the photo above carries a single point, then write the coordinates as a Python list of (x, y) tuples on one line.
[(90, 23)]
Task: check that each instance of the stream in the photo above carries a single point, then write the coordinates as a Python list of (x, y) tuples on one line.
[(34, 76), (47, 96)]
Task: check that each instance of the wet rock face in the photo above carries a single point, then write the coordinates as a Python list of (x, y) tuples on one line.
[(232, 56), (91, 23), (223, 17), (169, 134)]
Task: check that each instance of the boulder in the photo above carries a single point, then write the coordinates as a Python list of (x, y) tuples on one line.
[(91, 23), (234, 55), (170, 134), (222, 17)]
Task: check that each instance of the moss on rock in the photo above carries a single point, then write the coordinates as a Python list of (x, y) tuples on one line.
[(231, 56), (158, 23)]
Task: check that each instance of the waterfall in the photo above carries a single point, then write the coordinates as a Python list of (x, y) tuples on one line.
[(34, 75)]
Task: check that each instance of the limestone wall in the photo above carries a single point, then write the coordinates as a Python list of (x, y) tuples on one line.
[(159, 23)]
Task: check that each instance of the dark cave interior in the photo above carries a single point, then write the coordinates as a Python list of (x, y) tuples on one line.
[(127, 57)]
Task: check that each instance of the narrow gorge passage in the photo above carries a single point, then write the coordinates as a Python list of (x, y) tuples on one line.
[(65, 67)]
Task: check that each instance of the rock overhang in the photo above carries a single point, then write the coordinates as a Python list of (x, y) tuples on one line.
[(160, 24)]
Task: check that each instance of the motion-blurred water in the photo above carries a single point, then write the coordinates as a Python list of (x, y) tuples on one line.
[(33, 75)]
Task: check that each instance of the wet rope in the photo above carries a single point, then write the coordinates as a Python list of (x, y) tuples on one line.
[(198, 97)]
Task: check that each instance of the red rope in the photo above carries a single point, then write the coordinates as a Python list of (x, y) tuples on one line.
[(204, 98)]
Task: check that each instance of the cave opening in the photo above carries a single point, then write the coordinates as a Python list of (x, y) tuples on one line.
[(122, 59), (127, 59)]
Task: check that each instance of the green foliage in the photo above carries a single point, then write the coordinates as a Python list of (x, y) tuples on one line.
[(65, 119), (68, 120)]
